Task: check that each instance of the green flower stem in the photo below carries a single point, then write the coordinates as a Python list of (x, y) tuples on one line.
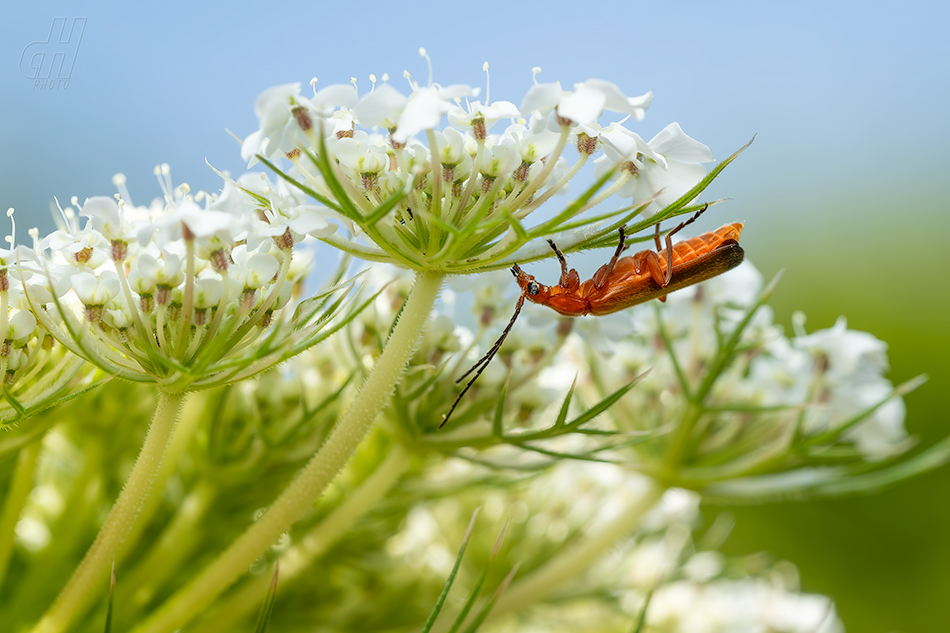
[(314, 543), (89, 579), (188, 421), (575, 558), (15, 497), (322, 468)]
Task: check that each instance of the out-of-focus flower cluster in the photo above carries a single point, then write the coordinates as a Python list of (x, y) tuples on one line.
[(707, 392)]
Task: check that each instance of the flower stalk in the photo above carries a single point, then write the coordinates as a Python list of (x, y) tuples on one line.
[(88, 580), (310, 483), (314, 543)]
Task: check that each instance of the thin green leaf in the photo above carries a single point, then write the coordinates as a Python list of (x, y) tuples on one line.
[(934, 457), (562, 412), (668, 345), (299, 185), (497, 426), (726, 352), (476, 590), (451, 579), (267, 609), (19, 408), (388, 204), (108, 627), (336, 283), (560, 455), (604, 404), (485, 610), (642, 618)]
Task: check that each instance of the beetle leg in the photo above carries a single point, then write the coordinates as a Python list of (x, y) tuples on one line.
[(651, 262), (604, 272), (570, 280), (669, 244), (560, 258)]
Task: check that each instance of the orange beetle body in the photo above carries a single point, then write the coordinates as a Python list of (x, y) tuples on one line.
[(624, 281), (637, 278)]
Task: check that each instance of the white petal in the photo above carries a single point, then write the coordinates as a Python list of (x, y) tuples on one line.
[(261, 269), (541, 98), (335, 96), (21, 324), (616, 101), (381, 107), (272, 105), (103, 208), (253, 145), (583, 106), (457, 91), (311, 223), (422, 112), (673, 143)]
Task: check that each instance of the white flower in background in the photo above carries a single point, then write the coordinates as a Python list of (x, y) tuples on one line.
[(500, 159), (669, 166), (426, 106), (532, 145), (849, 366), (481, 117), (96, 290), (277, 125), (585, 104), (284, 212), (360, 155), (381, 107), (748, 604), (107, 218), (208, 292), (20, 326), (164, 271), (254, 269), (84, 249)]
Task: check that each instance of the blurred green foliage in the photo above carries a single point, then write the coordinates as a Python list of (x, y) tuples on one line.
[(884, 559)]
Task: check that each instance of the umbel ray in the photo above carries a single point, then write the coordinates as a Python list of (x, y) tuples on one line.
[(623, 281)]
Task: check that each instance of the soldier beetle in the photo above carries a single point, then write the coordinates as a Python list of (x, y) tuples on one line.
[(624, 281)]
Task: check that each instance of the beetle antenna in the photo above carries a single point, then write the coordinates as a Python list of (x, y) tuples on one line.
[(482, 363)]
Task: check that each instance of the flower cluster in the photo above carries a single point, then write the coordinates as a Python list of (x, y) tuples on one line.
[(704, 391), (583, 436), (174, 292), (457, 202)]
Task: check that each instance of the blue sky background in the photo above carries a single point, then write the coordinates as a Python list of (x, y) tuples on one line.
[(848, 99), (844, 184)]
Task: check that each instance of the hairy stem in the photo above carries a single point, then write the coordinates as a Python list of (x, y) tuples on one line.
[(310, 483), (89, 579), (314, 543)]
